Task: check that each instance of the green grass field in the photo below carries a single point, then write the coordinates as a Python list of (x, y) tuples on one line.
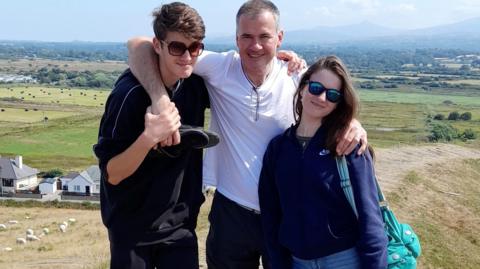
[(417, 98), (20, 115), (475, 82), (65, 143), (33, 64), (52, 95), (390, 117)]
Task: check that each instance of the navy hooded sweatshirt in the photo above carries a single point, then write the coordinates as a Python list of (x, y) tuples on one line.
[(304, 210)]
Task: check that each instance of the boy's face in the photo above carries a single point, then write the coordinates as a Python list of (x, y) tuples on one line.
[(178, 54)]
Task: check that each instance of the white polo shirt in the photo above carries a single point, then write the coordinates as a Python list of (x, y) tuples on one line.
[(245, 128)]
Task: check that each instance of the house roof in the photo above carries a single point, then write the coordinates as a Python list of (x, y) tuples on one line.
[(10, 170), (49, 180), (91, 175), (71, 175)]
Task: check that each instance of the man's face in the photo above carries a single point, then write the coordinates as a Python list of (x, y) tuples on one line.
[(173, 63), (257, 40)]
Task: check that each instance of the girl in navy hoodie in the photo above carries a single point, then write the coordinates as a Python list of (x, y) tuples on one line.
[(307, 220)]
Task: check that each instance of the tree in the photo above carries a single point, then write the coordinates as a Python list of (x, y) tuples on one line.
[(439, 117), (466, 116), (453, 115)]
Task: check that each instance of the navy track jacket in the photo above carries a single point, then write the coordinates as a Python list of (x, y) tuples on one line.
[(304, 210)]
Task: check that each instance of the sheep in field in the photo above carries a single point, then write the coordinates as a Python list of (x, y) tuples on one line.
[(63, 227), (3, 227), (32, 237), (21, 241)]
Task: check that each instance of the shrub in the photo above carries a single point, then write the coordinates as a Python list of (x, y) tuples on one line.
[(468, 134), (453, 115), (439, 117), (51, 173), (466, 116), (442, 132)]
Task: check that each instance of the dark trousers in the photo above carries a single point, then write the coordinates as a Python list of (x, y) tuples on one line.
[(235, 239), (160, 256)]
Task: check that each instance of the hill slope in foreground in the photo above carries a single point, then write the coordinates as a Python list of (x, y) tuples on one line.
[(434, 188)]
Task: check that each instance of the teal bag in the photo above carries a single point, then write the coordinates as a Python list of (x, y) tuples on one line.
[(403, 244)]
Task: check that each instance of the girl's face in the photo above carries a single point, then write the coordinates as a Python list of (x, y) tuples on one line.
[(319, 106)]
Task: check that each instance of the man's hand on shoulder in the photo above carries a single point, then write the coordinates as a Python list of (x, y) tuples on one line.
[(295, 63), (353, 135)]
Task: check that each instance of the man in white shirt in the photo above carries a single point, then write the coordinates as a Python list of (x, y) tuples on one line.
[(251, 96)]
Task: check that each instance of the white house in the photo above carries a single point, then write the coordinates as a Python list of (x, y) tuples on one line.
[(48, 185), (17, 176), (87, 182), (66, 179)]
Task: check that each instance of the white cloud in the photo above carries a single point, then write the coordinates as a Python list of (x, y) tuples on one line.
[(404, 8), (468, 6), (362, 4), (322, 11)]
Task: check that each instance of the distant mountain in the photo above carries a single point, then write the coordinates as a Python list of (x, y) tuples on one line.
[(460, 35), (329, 34), (466, 27)]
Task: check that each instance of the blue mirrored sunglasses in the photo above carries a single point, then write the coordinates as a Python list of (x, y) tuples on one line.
[(317, 88)]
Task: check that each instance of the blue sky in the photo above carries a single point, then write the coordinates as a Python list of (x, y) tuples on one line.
[(117, 20)]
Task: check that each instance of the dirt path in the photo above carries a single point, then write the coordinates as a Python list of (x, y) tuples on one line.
[(394, 163)]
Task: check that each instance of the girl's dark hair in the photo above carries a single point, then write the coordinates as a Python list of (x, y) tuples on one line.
[(339, 119)]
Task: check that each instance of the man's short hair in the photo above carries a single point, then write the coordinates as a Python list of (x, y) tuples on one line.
[(178, 17), (256, 7)]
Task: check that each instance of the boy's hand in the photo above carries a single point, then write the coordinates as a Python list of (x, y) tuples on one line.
[(160, 127), (158, 105)]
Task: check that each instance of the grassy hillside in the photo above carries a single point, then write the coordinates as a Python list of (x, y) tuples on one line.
[(442, 205)]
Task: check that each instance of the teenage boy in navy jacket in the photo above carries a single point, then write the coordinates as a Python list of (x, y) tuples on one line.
[(150, 201)]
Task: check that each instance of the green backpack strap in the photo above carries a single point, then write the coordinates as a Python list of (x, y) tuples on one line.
[(347, 185), (345, 182)]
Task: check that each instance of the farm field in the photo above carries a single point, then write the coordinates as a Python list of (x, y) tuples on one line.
[(32, 64), (56, 95), (390, 117), (29, 116), (418, 98)]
